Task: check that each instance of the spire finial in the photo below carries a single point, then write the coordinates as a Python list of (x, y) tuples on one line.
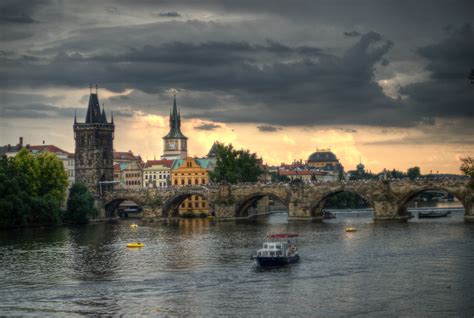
[(75, 117), (90, 88), (111, 117), (96, 88)]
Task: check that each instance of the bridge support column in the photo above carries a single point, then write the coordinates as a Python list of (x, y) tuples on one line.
[(386, 209), (225, 211), (469, 208), (301, 212)]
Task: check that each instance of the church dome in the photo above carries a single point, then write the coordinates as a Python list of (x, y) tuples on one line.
[(360, 166), (322, 156)]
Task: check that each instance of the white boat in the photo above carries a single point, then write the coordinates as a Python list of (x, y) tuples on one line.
[(280, 249)]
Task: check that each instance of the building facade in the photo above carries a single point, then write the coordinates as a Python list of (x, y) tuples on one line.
[(157, 173), (94, 165), (175, 144), (128, 170), (191, 172)]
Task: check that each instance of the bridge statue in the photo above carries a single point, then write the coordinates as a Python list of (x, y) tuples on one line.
[(389, 199)]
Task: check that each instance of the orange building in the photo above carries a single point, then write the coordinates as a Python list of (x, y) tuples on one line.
[(190, 172)]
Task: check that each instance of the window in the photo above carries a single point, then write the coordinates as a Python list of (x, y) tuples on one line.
[(175, 182), (196, 204), (182, 181), (196, 181), (189, 205), (203, 181), (189, 181), (203, 204)]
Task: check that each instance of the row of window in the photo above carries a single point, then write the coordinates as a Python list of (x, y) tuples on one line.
[(196, 181), (189, 205), (133, 182), (153, 177), (132, 175)]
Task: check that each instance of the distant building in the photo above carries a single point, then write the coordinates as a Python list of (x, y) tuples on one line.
[(128, 170), (66, 158), (175, 143), (307, 175), (157, 173), (191, 172), (94, 162), (11, 150), (324, 159)]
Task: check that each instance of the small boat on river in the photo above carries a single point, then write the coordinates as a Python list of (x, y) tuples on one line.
[(280, 249), (328, 215), (434, 214), (135, 245)]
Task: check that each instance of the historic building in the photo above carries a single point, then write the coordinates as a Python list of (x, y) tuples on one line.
[(324, 159), (175, 143), (94, 162), (191, 172), (157, 173), (128, 170)]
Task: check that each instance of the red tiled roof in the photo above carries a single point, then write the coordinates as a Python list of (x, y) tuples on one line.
[(166, 163), (301, 173), (127, 155), (49, 148)]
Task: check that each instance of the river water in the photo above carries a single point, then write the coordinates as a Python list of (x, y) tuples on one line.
[(422, 268)]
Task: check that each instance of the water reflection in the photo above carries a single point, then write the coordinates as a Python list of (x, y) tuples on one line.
[(199, 267)]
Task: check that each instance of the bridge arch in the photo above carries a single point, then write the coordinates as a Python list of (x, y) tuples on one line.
[(171, 205), (407, 197), (318, 206), (243, 205), (112, 206)]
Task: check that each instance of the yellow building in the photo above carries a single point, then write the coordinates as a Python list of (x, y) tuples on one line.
[(191, 172)]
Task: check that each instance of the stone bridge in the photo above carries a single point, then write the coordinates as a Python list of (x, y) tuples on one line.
[(389, 199)]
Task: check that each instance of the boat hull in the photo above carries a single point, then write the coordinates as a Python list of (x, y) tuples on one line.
[(433, 214), (275, 261)]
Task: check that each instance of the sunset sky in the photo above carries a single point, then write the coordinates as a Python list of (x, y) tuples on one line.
[(384, 81)]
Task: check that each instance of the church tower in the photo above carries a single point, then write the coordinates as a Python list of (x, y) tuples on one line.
[(94, 148), (175, 143)]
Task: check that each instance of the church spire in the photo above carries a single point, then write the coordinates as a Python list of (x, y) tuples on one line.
[(175, 122), (75, 117)]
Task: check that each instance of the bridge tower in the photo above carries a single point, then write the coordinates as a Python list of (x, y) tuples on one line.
[(94, 147), (175, 143)]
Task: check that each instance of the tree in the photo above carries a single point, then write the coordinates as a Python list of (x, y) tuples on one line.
[(467, 166), (32, 189), (413, 173), (80, 205), (235, 166)]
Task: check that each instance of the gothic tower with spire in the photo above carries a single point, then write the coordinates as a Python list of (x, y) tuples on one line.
[(94, 165), (175, 143)]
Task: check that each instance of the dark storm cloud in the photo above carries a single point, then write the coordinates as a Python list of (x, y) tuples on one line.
[(169, 14), (18, 11), (264, 79), (209, 126), (448, 92), (268, 128), (352, 34)]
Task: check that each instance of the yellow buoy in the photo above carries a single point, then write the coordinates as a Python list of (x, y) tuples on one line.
[(351, 229), (135, 244), (133, 226)]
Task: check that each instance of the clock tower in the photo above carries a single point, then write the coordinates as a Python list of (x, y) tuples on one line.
[(175, 144)]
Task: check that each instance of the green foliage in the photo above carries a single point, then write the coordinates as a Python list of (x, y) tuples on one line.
[(346, 200), (276, 177), (235, 166), (413, 173), (80, 205), (32, 189), (467, 166)]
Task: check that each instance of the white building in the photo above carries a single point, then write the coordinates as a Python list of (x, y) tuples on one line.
[(157, 173)]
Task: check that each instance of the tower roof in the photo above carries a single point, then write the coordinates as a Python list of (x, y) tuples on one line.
[(94, 114), (175, 124)]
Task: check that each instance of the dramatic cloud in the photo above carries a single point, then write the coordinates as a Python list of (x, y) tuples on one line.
[(352, 33), (169, 14), (267, 128), (209, 126)]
